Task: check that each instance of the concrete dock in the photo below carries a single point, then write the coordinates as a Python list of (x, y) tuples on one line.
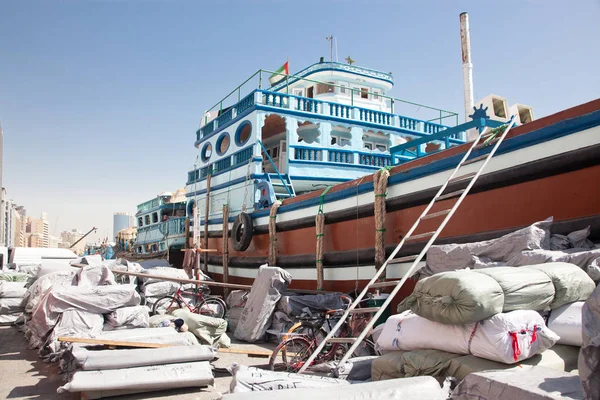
[(23, 375)]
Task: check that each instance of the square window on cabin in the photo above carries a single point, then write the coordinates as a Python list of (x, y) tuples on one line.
[(298, 92), (368, 146), (324, 88), (375, 94), (342, 89), (147, 220), (154, 218), (334, 140), (382, 147), (364, 93), (344, 142), (140, 221), (275, 152)]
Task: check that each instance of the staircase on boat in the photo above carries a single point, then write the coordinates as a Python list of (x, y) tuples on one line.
[(485, 138), (282, 185)]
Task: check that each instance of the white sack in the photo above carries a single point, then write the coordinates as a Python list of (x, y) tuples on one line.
[(115, 359), (249, 379), (95, 275), (10, 305), (74, 323), (48, 267), (160, 289), (98, 300), (12, 289), (166, 335), (167, 272), (418, 388), (9, 319), (566, 321), (194, 374), (266, 291), (128, 317), (505, 337)]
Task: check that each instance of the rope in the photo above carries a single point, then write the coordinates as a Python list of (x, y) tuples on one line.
[(320, 227), (206, 215), (273, 233), (380, 181), (246, 186), (357, 239), (225, 247)]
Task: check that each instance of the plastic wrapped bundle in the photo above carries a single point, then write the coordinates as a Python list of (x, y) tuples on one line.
[(507, 337), (127, 318), (567, 322)]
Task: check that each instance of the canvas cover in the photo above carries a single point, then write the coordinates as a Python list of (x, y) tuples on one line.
[(461, 297), (266, 291), (37, 291), (72, 323), (9, 319), (209, 330), (98, 300), (157, 377), (449, 257), (294, 306), (589, 357), (586, 259), (117, 359), (10, 305), (95, 275), (127, 318), (236, 300), (566, 322), (525, 383), (507, 337), (420, 388)]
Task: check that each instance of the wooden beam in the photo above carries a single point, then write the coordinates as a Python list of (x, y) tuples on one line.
[(249, 352), (118, 343), (180, 280)]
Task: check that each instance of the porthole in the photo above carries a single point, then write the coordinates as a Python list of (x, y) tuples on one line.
[(223, 143), (242, 134), (206, 152)]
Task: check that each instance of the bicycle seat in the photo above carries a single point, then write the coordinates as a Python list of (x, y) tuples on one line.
[(314, 325)]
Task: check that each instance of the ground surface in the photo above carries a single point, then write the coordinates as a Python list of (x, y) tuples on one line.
[(23, 375)]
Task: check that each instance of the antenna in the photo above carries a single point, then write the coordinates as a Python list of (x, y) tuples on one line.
[(330, 38), (337, 58)]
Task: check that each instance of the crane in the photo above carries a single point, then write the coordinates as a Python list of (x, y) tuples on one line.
[(83, 237)]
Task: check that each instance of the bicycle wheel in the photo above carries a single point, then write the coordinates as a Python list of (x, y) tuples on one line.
[(212, 307), (290, 355), (165, 305)]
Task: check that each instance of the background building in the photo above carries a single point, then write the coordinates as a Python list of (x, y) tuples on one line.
[(122, 221), (39, 231), (68, 238)]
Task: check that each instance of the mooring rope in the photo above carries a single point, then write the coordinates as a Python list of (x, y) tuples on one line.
[(273, 233), (380, 180), (320, 228), (225, 247)]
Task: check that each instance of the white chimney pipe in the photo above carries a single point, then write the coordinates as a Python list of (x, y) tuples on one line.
[(466, 64)]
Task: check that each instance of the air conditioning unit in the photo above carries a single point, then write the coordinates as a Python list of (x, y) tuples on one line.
[(497, 107), (524, 113)]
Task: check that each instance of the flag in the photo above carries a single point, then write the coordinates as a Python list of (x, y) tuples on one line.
[(280, 73)]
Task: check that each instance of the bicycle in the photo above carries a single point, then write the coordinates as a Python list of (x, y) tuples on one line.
[(200, 302), (292, 352)]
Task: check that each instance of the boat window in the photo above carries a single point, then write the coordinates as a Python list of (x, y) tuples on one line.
[(242, 134), (206, 152), (140, 222), (147, 219), (375, 94), (325, 88), (364, 93), (368, 146), (310, 92), (344, 142), (154, 218), (298, 92), (223, 143), (333, 140), (275, 152), (382, 147), (342, 88)]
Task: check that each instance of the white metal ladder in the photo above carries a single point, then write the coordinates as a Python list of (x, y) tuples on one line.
[(373, 284)]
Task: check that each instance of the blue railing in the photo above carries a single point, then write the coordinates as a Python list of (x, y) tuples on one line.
[(244, 104), (307, 153), (222, 164), (376, 160), (340, 110), (377, 117), (225, 117), (239, 158), (242, 156), (341, 156)]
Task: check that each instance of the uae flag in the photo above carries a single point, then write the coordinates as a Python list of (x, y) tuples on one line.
[(280, 73)]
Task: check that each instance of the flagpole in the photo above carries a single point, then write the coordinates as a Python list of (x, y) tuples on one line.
[(287, 82)]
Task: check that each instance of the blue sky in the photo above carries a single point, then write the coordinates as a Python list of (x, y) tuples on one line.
[(100, 100)]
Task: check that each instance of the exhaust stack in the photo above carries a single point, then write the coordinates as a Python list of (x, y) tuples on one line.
[(465, 40)]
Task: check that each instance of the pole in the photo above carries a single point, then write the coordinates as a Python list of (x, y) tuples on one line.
[(206, 213), (467, 66), (225, 248)]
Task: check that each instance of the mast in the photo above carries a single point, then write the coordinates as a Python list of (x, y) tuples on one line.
[(467, 66)]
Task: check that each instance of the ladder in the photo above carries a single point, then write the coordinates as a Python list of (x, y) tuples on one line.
[(282, 185), (487, 135)]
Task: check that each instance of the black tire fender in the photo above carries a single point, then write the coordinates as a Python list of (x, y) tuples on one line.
[(241, 232)]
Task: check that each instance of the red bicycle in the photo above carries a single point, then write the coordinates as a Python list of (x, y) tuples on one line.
[(197, 301)]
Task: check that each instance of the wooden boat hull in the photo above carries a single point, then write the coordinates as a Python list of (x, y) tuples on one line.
[(549, 167)]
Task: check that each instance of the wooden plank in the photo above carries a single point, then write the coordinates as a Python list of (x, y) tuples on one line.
[(249, 352), (181, 280), (119, 343)]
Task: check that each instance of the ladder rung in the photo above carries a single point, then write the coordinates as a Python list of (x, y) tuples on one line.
[(450, 195), (402, 259), (462, 177), (364, 310), (384, 284), (420, 236), (436, 214), (342, 340), (475, 159)]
